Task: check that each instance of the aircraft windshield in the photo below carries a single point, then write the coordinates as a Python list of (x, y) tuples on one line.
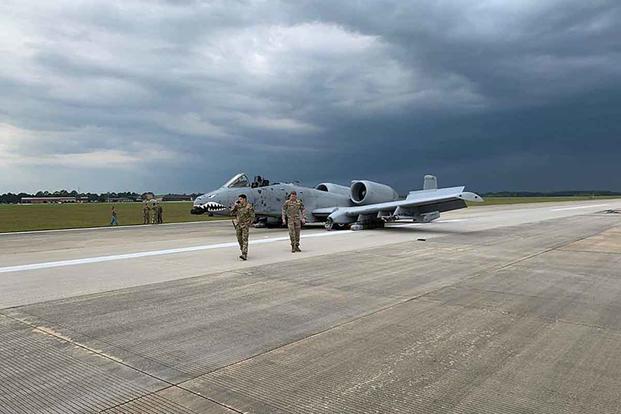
[(240, 180)]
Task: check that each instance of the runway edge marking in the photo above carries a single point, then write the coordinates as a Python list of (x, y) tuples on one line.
[(578, 207), (122, 227)]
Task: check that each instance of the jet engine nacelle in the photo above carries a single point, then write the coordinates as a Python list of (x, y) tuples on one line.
[(333, 188), (368, 192)]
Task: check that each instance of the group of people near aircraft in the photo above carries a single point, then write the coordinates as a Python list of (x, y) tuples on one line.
[(152, 213), (363, 205), (243, 216)]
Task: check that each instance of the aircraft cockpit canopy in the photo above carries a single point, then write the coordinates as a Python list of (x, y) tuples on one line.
[(241, 180)]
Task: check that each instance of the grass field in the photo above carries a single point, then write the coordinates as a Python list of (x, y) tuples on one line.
[(63, 216)]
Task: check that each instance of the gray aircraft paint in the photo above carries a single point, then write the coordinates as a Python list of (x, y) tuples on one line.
[(336, 204)]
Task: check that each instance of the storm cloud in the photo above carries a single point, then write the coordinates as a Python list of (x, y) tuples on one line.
[(180, 95)]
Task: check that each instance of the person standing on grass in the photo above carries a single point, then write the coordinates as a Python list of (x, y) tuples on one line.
[(160, 214), (146, 212), (114, 221), (154, 212)]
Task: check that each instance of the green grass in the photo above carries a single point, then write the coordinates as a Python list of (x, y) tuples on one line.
[(520, 200), (63, 216)]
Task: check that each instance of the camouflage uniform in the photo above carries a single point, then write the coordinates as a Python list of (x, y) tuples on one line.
[(154, 214), (293, 213), (146, 213), (160, 214), (244, 217)]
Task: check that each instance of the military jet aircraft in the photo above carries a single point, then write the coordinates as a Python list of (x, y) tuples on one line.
[(364, 204)]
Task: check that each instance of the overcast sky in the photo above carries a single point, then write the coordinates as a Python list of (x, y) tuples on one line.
[(176, 96)]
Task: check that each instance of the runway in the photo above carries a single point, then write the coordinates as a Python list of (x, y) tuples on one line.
[(494, 309)]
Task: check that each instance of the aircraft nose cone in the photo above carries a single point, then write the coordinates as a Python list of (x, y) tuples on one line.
[(197, 210)]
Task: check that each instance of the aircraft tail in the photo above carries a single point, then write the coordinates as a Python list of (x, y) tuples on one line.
[(430, 183)]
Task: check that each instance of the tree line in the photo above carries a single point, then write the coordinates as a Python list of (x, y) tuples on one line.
[(12, 198)]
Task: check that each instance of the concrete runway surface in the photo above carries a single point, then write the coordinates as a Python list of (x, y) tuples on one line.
[(499, 309)]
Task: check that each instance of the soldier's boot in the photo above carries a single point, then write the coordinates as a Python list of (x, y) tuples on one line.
[(297, 248), (244, 256), (293, 248)]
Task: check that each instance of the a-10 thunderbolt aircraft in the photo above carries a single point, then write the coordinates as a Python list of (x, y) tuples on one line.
[(365, 204)]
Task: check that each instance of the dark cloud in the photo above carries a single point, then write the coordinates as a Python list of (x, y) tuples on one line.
[(179, 95)]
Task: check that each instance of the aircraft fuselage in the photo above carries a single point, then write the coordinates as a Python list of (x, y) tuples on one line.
[(268, 200)]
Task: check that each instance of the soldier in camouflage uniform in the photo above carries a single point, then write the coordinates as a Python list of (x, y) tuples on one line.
[(154, 212), (293, 213), (160, 214), (146, 213), (244, 217)]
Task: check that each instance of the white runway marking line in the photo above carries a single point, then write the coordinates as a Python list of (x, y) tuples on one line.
[(100, 259), (579, 207), (126, 227)]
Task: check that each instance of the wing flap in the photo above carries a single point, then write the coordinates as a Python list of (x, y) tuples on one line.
[(324, 212)]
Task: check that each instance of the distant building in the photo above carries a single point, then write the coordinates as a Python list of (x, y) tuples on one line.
[(46, 200), (177, 197), (120, 200)]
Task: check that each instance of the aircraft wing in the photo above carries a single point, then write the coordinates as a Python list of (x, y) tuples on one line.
[(423, 201)]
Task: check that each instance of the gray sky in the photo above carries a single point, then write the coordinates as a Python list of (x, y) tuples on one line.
[(179, 95)]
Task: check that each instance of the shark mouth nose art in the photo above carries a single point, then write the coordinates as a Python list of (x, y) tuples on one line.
[(213, 206)]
